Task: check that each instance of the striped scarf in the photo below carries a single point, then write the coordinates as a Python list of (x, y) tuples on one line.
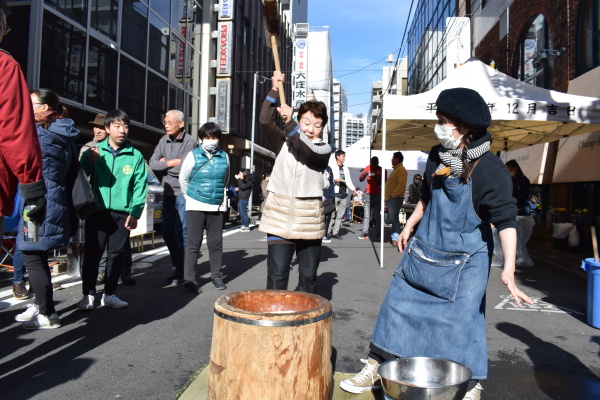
[(453, 158)]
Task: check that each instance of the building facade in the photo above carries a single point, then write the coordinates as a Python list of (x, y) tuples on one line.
[(353, 129), (207, 58)]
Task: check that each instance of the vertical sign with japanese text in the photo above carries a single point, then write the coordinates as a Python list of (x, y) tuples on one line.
[(299, 80)]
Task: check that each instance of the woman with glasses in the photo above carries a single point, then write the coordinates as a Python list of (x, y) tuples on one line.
[(57, 135)]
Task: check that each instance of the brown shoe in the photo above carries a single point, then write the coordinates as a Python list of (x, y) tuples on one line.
[(19, 291)]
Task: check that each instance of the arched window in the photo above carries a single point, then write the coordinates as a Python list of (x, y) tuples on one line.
[(534, 64), (588, 36)]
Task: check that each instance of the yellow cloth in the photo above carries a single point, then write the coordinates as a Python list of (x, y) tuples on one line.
[(395, 186)]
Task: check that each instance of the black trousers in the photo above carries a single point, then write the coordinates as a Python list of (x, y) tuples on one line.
[(104, 229), (36, 263), (196, 222), (280, 258)]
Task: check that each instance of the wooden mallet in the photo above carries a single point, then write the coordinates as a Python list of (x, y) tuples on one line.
[(271, 19)]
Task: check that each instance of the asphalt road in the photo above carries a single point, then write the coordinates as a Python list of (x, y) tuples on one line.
[(150, 349)]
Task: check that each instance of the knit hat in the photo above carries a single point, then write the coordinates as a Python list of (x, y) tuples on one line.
[(466, 106), (98, 122)]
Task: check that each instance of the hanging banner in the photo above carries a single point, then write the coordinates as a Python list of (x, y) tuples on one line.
[(223, 103), (299, 81), (224, 45)]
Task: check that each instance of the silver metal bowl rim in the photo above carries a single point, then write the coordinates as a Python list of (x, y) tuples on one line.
[(425, 358)]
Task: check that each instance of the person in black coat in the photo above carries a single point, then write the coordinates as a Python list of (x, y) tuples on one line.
[(521, 187), (245, 183)]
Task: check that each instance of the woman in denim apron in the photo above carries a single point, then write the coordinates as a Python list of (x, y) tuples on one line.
[(435, 306)]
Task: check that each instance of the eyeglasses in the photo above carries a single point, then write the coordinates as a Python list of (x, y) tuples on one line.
[(169, 123), (37, 104)]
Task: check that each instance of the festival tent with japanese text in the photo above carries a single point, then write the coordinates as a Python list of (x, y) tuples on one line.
[(522, 114)]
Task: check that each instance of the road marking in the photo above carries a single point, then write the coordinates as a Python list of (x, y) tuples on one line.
[(538, 305)]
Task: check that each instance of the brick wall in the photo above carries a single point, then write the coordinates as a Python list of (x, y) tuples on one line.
[(561, 18)]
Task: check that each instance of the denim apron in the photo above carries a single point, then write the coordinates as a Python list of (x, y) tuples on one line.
[(435, 306)]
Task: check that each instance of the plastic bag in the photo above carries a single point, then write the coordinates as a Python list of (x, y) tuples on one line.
[(561, 230), (574, 237)]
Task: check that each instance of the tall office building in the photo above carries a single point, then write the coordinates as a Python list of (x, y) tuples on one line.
[(353, 129)]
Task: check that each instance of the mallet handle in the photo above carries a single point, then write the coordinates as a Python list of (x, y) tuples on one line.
[(277, 68)]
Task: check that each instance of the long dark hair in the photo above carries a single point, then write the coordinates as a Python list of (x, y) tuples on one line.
[(472, 134), (514, 164), (51, 99)]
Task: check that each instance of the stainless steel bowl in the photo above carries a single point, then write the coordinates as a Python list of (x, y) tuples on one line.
[(424, 378)]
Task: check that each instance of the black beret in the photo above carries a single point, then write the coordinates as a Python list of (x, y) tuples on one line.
[(466, 106)]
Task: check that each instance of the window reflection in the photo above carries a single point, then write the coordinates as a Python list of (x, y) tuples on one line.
[(175, 98), (157, 100), (588, 39), (132, 91), (75, 9), (104, 17), (63, 58), (133, 31), (533, 62), (158, 54), (102, 76), (162, 7)]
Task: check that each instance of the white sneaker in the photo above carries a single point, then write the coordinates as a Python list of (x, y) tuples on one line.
[(42, 322), (87, 303), (29, 314), (475, 393), (366, 379), (113, 301)]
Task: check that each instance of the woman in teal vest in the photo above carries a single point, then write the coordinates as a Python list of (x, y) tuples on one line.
[(204, 177)]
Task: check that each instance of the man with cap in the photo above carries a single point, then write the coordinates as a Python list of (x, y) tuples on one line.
[(99, 133), (414, 190), (373, 173), (21, 155)]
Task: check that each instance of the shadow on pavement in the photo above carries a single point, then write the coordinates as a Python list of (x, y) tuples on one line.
[(559, 374), (61, 359)]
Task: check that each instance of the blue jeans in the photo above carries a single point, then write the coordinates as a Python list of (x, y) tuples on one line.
[(394, 205), (243, 210), (18, 266), (175, 230)]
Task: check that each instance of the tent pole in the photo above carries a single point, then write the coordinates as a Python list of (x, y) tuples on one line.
[(384, 179)]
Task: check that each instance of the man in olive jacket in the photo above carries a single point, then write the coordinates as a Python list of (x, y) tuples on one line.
[(118, 177)]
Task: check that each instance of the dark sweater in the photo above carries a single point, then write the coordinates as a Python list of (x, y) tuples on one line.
[(245, 187), (491, 187)]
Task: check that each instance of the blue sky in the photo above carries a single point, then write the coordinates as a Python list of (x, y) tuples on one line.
[(362, 33)]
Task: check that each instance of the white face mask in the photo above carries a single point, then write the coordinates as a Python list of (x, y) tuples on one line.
[(444, 136), (210, 146)]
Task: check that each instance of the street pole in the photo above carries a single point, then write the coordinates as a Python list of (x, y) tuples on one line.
[(252, 139)]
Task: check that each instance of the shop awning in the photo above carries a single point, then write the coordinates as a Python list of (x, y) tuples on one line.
[(522, 114)]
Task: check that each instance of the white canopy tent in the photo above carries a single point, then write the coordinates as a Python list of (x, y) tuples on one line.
[(522, 114)]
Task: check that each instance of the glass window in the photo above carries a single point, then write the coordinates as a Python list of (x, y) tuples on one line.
[(75, 9), (133, 31), (177, 59), (588, 36), (533, 62), (102, 74), (162, 8), (158, 45), (181, 12), (132, 83), (157, 100), (175, 98), (104, 15), (63, 58)]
